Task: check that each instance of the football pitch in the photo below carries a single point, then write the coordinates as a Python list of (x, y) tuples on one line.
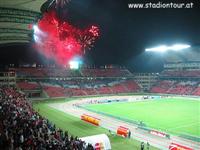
[(180, 116)]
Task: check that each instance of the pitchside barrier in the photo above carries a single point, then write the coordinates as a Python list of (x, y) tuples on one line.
[(90, 119), (123, 131), (160, 134), (174, 146)]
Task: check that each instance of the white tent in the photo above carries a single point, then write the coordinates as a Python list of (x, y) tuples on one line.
[(100, 142)]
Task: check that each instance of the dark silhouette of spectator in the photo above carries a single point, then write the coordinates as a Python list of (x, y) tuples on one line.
[(148, 146), (142, 145), (129, 134), (23, 128)]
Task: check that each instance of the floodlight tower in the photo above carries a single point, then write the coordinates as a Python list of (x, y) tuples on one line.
[(164, 48)]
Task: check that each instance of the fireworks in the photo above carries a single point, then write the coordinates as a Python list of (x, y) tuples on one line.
[(61, 3), (56, 3), (88, 37), (59, 40)]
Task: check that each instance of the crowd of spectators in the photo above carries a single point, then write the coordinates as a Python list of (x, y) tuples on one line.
[(23, 128)]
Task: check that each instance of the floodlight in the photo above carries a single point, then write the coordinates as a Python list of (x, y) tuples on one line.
[(35, 27), (74, 64), (35, 38), (179, 47), (161, 48)]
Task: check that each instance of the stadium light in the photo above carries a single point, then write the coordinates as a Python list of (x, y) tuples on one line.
[(179, 47), (74, 64), (35, 28), (38, 34), (161, 48), (164, 48), (35, 38)]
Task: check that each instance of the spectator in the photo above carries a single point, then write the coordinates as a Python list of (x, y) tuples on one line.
[(142, 145), (23, 128), (148, 146)]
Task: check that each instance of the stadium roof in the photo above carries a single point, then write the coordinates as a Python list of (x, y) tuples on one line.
[(15, 16), (189, 55)]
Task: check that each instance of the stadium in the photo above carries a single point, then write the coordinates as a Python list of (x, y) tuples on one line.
[(63, 102)]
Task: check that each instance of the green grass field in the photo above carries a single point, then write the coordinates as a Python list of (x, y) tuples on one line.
[(79, 128), (173, 115)]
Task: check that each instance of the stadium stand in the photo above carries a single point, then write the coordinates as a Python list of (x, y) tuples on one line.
[(58, 72), (162, 86), (181, 78), (196, 91), (89, 87), (132, 86), (23, 128), (176, 87), (110, 72), (54, 91), (193, 73), (119, 88), (83, 82), (105, 90), (57, 82), (91, 91), (52, 72), (30, 72), (24, 85)]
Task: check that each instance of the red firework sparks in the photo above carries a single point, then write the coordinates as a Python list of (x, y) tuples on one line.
[(60, 40)]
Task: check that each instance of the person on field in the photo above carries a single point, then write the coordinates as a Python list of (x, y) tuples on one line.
[(148, 146), (129, 134), (142, 146)]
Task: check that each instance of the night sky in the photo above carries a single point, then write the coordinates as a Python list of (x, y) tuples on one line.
[(125, 33)]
